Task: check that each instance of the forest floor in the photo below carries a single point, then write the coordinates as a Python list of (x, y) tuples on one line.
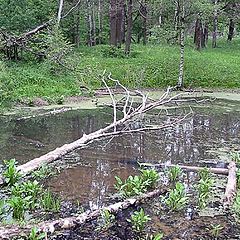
[(151, 66)]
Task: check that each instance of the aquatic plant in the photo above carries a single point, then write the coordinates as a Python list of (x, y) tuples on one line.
[(238, 178), (158, 236), (204, 174), (29, 190), (11, 174), (151, 176), (236, 205), (204, 187), (49, 202), (174, 173), (35, 235), (215, 230), (177, 198), (43, 172), (235, 157), (138, 220), (2, 208), (107, 219), (133, 185), (18, 205)]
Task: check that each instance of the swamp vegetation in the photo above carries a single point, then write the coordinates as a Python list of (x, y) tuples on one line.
[(190, 206), (119, 119)]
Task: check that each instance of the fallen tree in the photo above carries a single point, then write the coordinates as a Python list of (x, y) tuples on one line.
[(131, 113), (77, 221), (231, 187), (222, 171)]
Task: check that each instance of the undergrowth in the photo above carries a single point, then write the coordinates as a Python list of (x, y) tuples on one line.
[(151, 66)]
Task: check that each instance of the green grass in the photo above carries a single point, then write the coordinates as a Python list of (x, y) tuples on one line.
[(152, 66)]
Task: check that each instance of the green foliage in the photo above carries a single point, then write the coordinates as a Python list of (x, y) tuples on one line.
[(236, 206), (154, 66), (112, 52), (204, 174), (174, 173), (177, 198), (49, 202), (27, 189), (107, 219), (20, 16), (133, 185), (2, 207), (151, 176), (43, 172), (34, 235), (18, 205), (215, 230), (58, 49), (138, 220), (204, 187), (235, 157), (158, 236), (11, 174)]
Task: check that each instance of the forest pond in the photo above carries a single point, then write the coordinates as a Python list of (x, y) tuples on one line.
[(86, 176)]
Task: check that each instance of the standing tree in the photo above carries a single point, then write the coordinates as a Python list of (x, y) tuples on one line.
[(129, 26), (215, 24)]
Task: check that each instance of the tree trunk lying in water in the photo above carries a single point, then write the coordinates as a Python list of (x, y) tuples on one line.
[(130, 114), (222, 171), (231, 187), (73, 222)]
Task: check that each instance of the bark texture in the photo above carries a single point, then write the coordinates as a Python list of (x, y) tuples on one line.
[(231, 187)]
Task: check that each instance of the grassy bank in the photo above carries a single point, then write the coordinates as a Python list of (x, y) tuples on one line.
[(153, 66)]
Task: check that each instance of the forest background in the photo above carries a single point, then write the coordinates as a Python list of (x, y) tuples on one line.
[(53, 49)]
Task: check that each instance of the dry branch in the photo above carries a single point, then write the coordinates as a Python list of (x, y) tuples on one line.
[(73, 222), (231, 187), (117, 127), (222, 171)]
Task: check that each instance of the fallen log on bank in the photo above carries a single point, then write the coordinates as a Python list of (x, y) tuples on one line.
[(231, 187), (222, 171), (77, 221), (120, 126)]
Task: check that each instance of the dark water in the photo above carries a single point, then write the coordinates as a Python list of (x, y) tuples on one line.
[(89, 176)]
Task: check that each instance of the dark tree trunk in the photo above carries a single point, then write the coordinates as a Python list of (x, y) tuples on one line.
[(129, 26), (113, 22), (91, 24), (116, 22), (144, 12), (231, 30), (205, 33), (100, 27), (215, 25)]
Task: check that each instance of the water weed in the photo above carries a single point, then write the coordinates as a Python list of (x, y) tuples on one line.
[(177, 198), (49, 202), (43, 172), (35, 235), (174, 173), (107, 219), (133, 185), (215, 230), (203, 189), (138, 220), (204, 174), (18, 206), (151, 176), (11, 174)]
